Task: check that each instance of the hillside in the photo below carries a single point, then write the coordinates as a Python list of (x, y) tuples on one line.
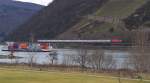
[(141, 17), (81, 19), (120, 8), (105, 22), (58, 17), (13, 14)]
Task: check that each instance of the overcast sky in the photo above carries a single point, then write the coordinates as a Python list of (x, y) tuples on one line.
[(41, 2)]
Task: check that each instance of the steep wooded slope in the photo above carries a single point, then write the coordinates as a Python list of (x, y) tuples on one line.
[(58, 17)]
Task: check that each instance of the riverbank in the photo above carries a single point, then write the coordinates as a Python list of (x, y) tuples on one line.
[(18, 75), (125, 74)]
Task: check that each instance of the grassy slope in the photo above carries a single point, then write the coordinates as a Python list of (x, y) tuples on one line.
[(114, 9), (120, 8), (7, 76)]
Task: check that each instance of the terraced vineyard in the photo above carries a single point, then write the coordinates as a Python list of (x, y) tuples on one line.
[(120, 8)]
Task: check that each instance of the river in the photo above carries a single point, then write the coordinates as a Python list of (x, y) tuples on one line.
[(119, 57)]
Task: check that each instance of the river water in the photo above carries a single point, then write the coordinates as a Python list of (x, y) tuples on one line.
[(120, 57)]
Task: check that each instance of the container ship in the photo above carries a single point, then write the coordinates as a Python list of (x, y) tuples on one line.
[(27, 47)]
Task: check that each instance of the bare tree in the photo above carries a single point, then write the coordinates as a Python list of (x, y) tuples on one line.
[(81, 58), (109, 62), (69, 59), (140, 53), (32, 59), (96, 59), (53, 57)]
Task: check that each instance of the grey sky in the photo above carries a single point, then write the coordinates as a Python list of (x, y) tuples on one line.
[(41, 2)]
